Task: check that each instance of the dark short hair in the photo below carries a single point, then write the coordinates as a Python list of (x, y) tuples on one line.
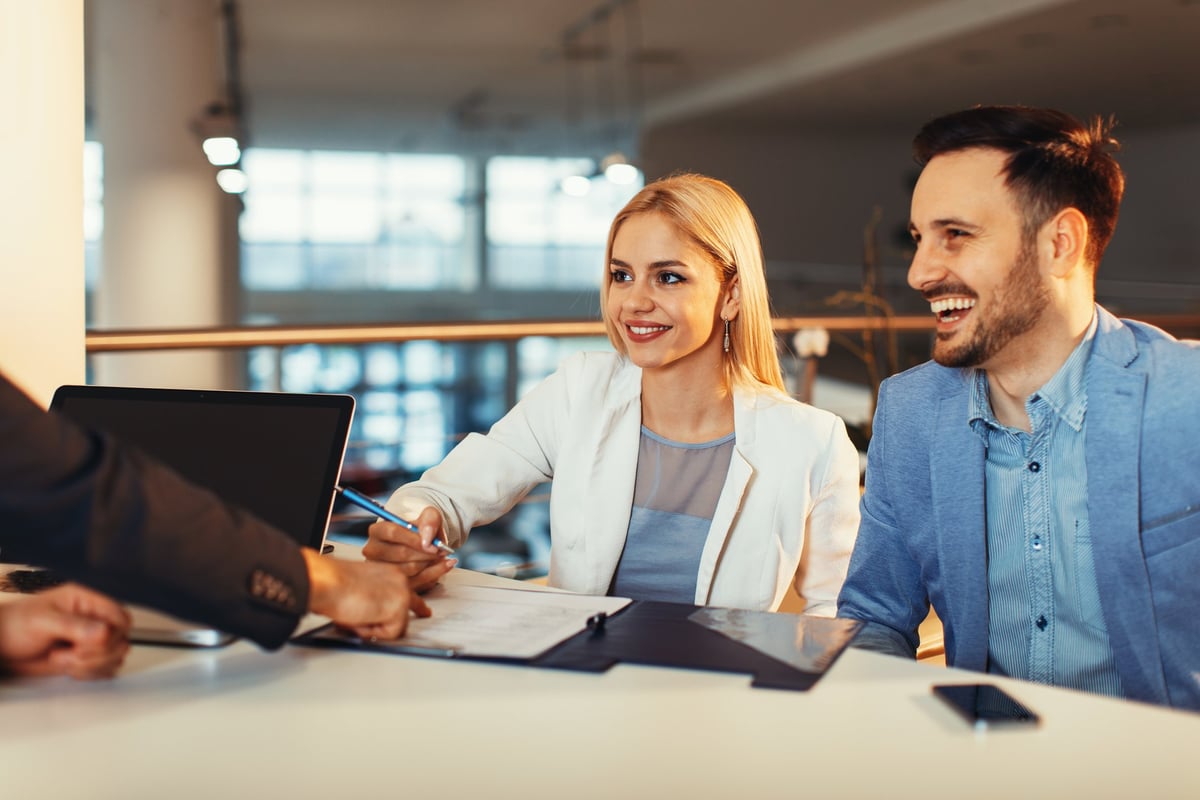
[(1054, 162)]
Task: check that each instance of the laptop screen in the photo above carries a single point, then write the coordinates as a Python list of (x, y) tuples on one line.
[(277, 455)]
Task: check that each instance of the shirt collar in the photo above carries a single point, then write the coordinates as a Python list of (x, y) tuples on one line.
[(979, 404), (1065, 393)]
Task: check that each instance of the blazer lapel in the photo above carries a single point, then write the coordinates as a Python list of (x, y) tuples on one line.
[(745, 421), (614, 455), (1113, 446), (957, 479), (740, 472)]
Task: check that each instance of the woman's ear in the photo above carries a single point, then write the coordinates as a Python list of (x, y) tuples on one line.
[(733, 302)]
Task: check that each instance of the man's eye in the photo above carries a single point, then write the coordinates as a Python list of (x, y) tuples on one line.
[(955, 233)]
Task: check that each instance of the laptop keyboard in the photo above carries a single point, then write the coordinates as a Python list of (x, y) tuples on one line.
[(28, 581)]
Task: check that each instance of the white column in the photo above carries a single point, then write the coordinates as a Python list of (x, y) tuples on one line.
[(157, 67), (41, 206)]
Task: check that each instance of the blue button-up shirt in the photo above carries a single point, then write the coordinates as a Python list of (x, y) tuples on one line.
[(1045, 623)]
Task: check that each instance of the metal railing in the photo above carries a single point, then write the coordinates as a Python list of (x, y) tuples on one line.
[(114, 341), (532, 559)]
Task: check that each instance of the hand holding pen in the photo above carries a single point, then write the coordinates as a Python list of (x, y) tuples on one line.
[(362, 501), (415, 548)]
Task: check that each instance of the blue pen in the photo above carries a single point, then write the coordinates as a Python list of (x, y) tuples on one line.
[(361, 500)]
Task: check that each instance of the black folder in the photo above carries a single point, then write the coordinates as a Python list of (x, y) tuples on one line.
[(669, 635), (662, 634)]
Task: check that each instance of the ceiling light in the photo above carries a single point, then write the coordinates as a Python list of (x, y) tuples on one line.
[(222, 151), (232, 180), (575, 185), (618, 170)]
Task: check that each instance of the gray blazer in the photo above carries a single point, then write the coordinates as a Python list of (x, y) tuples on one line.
[(923, 533)]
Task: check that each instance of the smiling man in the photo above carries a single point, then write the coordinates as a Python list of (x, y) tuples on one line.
[(1038, 482)]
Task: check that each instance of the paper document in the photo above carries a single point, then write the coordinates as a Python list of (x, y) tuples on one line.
[(491, 622)]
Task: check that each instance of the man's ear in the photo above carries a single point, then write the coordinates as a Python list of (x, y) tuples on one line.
[(1067, 240), (733, 300)]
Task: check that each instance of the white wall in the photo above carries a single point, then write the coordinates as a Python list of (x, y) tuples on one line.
[(41, 204), (155, 69)]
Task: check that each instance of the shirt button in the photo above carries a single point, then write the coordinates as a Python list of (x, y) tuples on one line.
[(1034, 466), (1041, 623), (1037, 544)]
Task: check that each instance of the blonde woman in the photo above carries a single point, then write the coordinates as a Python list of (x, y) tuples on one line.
[(680, 469)]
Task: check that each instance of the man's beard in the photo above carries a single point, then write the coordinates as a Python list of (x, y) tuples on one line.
[(1016, 307)]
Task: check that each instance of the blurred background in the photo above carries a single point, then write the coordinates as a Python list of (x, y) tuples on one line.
[(341, 165)]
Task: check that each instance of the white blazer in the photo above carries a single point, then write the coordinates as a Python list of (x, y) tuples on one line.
[(788, 511)]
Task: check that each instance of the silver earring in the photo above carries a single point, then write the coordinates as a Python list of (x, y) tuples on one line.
[(726, 343)]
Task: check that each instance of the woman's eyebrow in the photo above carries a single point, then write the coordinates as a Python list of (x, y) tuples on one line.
[(668, 263)]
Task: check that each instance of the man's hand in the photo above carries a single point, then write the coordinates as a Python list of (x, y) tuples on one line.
[(369, 599), (67, 630), (413, 553)]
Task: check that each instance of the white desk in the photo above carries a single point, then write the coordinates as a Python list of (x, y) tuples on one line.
[(309, 723)]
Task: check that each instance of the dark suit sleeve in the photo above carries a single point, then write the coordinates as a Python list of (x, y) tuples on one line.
[(109, 516)]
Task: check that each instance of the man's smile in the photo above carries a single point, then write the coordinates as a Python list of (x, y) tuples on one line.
[(951, 309)]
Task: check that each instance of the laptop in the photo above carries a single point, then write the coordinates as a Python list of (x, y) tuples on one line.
[(278, 455)]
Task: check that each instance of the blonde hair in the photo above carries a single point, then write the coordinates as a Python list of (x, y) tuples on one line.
[(716, 218)]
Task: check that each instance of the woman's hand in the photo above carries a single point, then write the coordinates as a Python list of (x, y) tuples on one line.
[(414, 553)]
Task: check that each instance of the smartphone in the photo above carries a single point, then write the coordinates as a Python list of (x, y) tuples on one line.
[(983, 705)]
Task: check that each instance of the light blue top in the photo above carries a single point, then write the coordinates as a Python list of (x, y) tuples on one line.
[(1045, 623), (674, 498)]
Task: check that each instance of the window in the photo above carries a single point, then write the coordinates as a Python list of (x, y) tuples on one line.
[(538, 237), (337, 220), (415, 399), (320, 222)]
